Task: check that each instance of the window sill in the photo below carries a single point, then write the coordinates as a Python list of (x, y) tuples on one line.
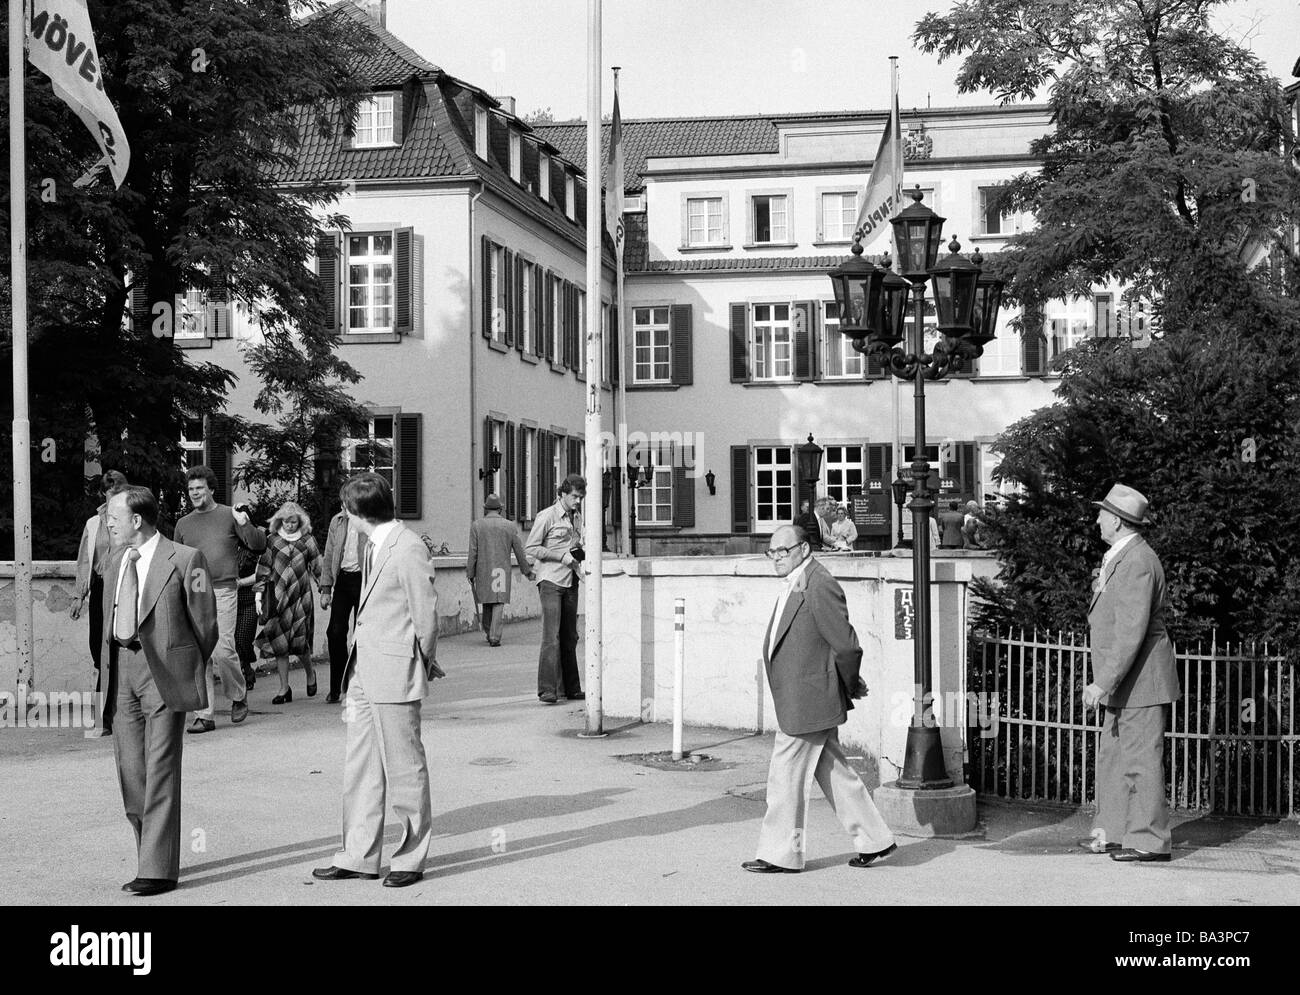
[(529, 357), (498, 346), (663, 530), (773, 383), (559, 368), (194, 343), (986, 237), (833, 242), (366, 338), (846, 381), (653, 386), (770, 245), (1002, 378), (374, 145), (719, 247)]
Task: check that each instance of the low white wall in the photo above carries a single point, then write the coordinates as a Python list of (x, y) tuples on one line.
[(729, 601), (62, 654)]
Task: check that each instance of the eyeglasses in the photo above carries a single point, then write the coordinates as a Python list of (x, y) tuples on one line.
[(780, 553)]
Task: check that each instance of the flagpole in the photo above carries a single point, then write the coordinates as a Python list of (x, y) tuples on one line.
[(624, 505), (22, 430), (593, 524), (895, 382)]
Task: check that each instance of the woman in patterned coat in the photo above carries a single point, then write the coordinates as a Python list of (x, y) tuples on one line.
[(287, 568)]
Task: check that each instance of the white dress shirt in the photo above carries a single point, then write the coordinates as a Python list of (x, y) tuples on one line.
[(141, 572), (377, 539), (1110, 555), (791, 579), (351, 559)]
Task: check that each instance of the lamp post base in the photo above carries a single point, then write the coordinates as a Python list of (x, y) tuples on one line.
[(923, 766), (927, 812)]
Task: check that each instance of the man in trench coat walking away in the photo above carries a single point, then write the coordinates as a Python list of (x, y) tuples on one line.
[(812, 656), (487, 567)]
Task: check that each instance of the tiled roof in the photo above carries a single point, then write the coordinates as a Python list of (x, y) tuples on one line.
[(746, 264), (390, 62), (636, 239)]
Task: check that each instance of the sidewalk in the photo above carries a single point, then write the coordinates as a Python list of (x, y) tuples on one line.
[(527, 813)]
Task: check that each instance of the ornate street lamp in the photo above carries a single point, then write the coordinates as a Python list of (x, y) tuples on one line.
[(900, 485), (988, 303), (606, 492), (636, 478), (810, 466), (966, 315), (857, 283)]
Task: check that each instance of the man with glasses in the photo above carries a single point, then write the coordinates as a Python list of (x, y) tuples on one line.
[(812, 658)]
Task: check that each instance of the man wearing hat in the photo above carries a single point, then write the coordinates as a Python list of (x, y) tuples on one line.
[(1133, 679), (487, 567)]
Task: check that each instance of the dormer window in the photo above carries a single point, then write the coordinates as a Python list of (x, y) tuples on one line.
[(544, 176), (570, 196), (480, 132), (375, 122), (516, 158)]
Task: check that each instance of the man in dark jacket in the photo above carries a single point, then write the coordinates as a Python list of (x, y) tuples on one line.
[(487, 566), (812, 658)]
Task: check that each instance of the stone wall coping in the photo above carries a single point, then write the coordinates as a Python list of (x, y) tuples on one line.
[(67, 569), (961, 567)]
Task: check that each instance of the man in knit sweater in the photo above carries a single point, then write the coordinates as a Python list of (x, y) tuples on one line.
[(218, 532)]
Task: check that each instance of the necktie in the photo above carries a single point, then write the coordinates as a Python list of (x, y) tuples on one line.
[(125, 622), (365, 571)]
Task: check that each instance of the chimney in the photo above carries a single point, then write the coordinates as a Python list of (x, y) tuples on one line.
[(377, 9), (507, 104)]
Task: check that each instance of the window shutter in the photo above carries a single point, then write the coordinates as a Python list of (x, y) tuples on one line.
[(508, 464), (406, 482), (805, 350), (485, 462), (682, 346), (575, 455), (508, 278), (487, 287), (399, 116), (683, 491), (566, 355), (329, 271), (1034, 351), (880, 459), (740, 347), (218, 317), (967, 469), (876, 365), (614, 358), (739, 488), (539, 469), (403, 266), (519, 304), (216, 453)]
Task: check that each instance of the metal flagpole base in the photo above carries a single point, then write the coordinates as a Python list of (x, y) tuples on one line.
[(923, 766), (593, 735)]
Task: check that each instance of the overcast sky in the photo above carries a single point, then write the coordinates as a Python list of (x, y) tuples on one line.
[(718, 57)]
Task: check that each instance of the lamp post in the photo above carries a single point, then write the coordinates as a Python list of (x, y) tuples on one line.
[(606, 491), (875, 301), (900, 487), (810, 468), (636, 478)]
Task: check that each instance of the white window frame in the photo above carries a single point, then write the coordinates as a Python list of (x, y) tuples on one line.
[(480, 131), (498, 285), (370, 260), (544, 175), (1067, 324), (526, 321), (707, 227), (516, 157), (851, 362), (371, 132), (348, 463), (657, 493), (557, 318), (529, 510), (499, 444), (191, 445), (983, 193), (646, 371), (781, 335), (582, 333), (845, 466), (776, 236), (843, 228), (192, 315), (570, 196), (778, 512)]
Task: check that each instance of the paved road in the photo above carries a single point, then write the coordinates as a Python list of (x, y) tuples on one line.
[(525, 812)]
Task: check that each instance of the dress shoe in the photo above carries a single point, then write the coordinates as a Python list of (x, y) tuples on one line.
[(763, 867), (401, 879), (1129, 854), (1095, 845), (311, 690), (284, 696), (548, 698), (239, 710), (202, 725), (494, 642), (866, 859), (333, 873), (331, 699), (144, 887), (580, 696), (132, 884)]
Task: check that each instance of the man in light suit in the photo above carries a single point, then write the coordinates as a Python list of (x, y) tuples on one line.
[(390, 663), (812, 658), (1133, 678), (161, 626)]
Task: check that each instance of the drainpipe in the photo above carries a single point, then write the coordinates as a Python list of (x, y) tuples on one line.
[(473, 343)]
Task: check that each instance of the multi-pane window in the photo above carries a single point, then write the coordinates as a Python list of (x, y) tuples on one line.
[(191, 314), (773, 486), (370, 283), (481, 132), (842, 467), (839, 215), (544, 176), (516, 157), (771, 222), (651, 345), (191, 442), (570, 197), (497, 283), (992, 220), (839, 359), (704, 221), (1068, 324), (529, 436), (557, 319), (772, 344), (375, 121), (372, 452), (654, 500), (526, 297), (499, 445)]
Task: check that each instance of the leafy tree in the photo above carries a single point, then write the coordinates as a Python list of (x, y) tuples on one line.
[(212, 97), (543, 115), (1163, 170)]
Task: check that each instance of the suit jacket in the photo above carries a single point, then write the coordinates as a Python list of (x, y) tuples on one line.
[(491, 540), (815, 658), (178, 621), (1132, 657), (395, 638), (332, 558)]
